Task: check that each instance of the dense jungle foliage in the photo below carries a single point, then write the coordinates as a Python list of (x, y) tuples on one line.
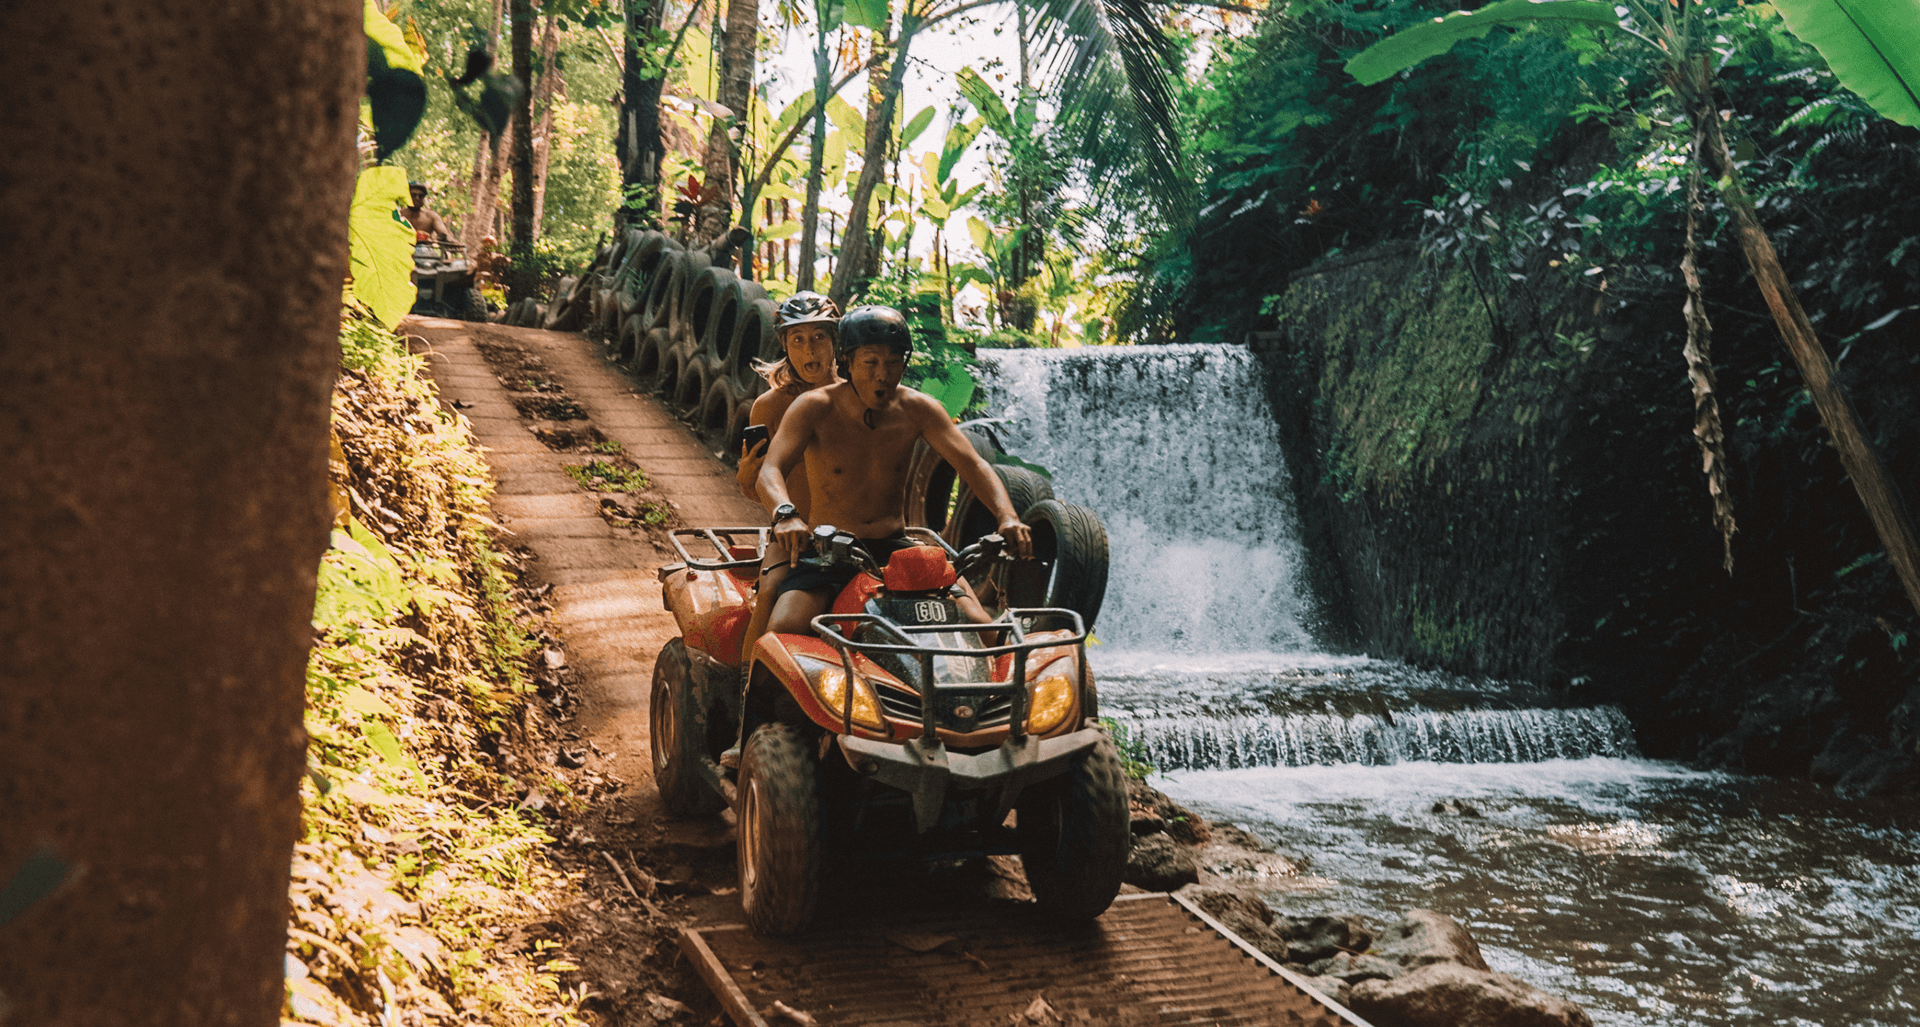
[(1542, 163), (426, 837)]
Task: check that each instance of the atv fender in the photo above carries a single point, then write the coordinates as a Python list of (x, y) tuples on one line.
[(711, 607), (924, 769)]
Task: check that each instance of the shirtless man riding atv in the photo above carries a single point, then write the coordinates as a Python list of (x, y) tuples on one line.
[(856, 437), (427, 224)]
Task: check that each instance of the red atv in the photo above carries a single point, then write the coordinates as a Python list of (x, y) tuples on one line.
[(902, 729)]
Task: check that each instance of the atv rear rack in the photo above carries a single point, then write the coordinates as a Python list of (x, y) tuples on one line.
[(721, 540)]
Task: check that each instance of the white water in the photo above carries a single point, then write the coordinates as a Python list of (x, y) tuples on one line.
[(1177, 449), (1651, 894)]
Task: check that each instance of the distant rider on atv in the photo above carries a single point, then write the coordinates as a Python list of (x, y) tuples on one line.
[(856, 438), (805, 325), (426, 224)]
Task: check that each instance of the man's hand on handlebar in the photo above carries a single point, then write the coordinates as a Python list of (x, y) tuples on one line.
[(1019, 538), (795, 535)]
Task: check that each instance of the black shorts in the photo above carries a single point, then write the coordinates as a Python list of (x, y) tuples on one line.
[(805, 578)]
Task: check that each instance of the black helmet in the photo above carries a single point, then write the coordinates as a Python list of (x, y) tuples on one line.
[(873, 326), (805, 308)]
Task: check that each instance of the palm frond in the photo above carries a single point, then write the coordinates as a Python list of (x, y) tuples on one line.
[(1115, 68)]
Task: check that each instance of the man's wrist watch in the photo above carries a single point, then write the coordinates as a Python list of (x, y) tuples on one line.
[(784, 511)]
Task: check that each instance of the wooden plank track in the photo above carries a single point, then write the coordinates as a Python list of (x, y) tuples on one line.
[(1150, 961)]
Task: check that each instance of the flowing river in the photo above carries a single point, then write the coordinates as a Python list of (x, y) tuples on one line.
[(1651, 893)]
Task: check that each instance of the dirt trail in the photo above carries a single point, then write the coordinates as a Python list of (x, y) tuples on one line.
[(566, 407)]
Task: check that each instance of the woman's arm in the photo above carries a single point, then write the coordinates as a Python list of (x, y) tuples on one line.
[(770, 409)]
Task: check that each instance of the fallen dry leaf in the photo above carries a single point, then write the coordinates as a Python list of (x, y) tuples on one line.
[(1039, 1013), (920, 942), (790, 1014)]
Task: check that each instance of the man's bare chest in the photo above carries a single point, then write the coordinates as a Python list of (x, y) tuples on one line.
[(862, 456)]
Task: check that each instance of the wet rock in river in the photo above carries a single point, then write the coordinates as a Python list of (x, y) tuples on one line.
[(1425, 937), (1243, 914), (1153, 812), (1451, 995), (1158, 863), (1314, 938), (1352, 968)]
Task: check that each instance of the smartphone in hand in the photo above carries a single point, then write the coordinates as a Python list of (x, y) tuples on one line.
[(752, 437)]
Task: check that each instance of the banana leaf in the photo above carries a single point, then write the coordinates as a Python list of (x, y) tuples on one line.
[(1416, 43), (1873, 47)]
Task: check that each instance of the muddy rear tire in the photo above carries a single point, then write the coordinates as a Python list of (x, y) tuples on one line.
[(678, 724), (779, 831), (1074, 835)]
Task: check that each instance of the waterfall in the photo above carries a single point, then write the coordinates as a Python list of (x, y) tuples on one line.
[(1463, 736), (1177, 449), (1205, 653)]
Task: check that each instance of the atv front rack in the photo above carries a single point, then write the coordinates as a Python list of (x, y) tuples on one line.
[(722, 541), (1010, 621)]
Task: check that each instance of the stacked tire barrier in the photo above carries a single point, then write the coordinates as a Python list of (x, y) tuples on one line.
[(672, 315), (695, 330)]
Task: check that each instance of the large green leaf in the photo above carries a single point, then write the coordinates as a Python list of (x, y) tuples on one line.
[(1416, 43), (948, 381), (847, 118), (915, 127), (986, 101), (1873, 47), (794, 111), (959, 137), (698, 67), (871, 14), (381, 244), (396, 94), (982, 235)]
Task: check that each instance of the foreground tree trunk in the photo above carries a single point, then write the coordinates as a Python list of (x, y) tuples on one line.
[(163, 477)]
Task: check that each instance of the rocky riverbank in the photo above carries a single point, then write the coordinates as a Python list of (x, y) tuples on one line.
[(1425, 970)]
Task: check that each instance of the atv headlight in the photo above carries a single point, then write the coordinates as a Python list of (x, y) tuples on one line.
[(1052, 697), (830, 684)]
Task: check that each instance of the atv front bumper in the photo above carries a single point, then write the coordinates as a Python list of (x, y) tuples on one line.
[(924, 769)]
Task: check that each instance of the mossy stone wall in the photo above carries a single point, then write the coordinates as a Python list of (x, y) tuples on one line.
[(1425, 406)]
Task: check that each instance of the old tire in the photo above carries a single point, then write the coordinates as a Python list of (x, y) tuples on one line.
[(1069, 565), (779, 831), (632, 336), (753, 339), (971, 519), (696, 377), (723, 327), (704, 299), (716, 409), (1074, 836), (655, 346), (672, 366), (473, 306), (677, 723)]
